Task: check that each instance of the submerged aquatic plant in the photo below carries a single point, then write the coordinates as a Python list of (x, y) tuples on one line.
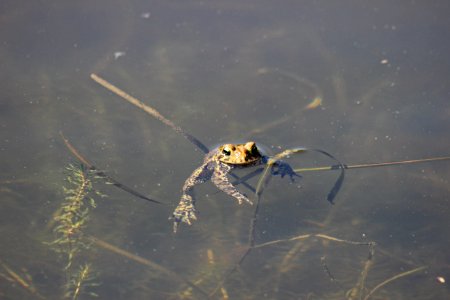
[(70, 222), (73, 214), (80, 282)]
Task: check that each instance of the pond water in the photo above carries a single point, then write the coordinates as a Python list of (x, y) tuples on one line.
[(225, 71)]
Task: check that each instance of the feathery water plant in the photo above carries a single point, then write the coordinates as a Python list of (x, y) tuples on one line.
[(80, 282), (70, 222), (73, 214)]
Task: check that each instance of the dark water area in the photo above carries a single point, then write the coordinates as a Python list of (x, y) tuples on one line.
[(225, 71)]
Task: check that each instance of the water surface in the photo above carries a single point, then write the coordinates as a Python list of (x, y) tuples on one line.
[(228, 71)]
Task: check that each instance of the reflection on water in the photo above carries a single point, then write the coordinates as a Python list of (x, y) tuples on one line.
[(225, 72)]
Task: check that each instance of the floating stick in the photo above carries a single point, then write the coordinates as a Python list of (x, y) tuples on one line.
[(372, 165), (146, 262), (392, 279), (357, 291), (103, 174), (317, 235), (151, 111), (15, 277)]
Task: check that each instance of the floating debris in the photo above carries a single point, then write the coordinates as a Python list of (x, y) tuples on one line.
[(119, 54), (440, 279), (145, 15), (314, 104)]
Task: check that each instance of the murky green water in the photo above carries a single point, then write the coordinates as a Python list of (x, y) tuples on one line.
[(228, 71)]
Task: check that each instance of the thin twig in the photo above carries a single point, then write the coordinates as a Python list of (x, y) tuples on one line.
[(373, 165), (357, 291), (146, 262), (151, 111), (102, 174), (318, 235), (21, 281), (392, 279)]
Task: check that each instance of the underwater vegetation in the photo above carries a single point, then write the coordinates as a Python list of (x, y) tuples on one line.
[(359, 274), (71, 267), (70, 222), (372, 90), (73, 215)]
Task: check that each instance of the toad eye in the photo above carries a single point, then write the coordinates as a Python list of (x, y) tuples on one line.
[(254, 149), (226, 151)]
